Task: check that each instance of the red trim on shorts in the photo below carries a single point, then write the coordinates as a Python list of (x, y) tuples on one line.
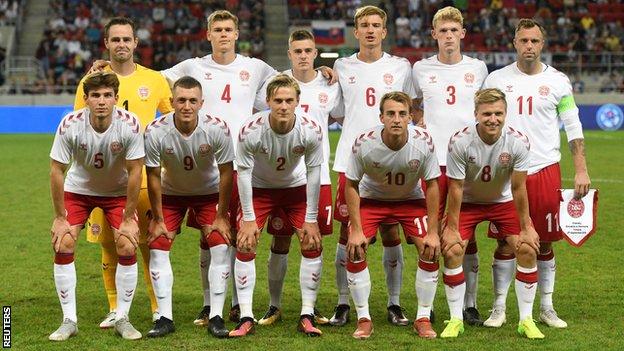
[(161, 243), (215, 239), (528, 278), (127, 260), (503, 257), (472, 248), (428, 266), (63, 258), (355, 267), (311, 253), (245, 256), (547, 256), (454, 280)]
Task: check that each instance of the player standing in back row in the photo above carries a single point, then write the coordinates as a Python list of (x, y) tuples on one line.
[(364, 78), (539, 97)]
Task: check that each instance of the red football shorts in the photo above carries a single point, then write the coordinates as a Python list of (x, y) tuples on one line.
[(411, 214), (503, 215), (202, 210), (291, 200), (278, 225), (234, 205), (79, 207)]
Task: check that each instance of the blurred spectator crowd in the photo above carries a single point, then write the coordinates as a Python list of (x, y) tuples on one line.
[(169, 32), (322, 9)]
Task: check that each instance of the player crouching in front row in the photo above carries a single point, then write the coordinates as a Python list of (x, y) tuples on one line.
[(279, 155), (487, 166), (383, 186), (104, 145)]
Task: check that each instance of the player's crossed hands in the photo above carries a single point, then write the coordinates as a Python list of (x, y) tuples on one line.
[(247, 237), (128, 229), (310, 236), (222, 226), (60, 228), (156, 228), (430, 249), (357, 244)]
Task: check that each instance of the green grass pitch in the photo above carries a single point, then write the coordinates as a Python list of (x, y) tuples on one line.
[(588, 294)]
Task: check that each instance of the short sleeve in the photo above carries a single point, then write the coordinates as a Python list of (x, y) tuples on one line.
[(455, 162)]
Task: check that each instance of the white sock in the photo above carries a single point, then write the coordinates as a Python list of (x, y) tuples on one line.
[(204, 265), (525, 293), (341, 274), (232, 251), (278, 263), (502, 276), (426, 284), (471, 273), (393, 266), (310, 271), (360, 286), (546, 282), (218, 275), (162, 281), (65, 281), (126, 282), (245, 277), (455, 294)]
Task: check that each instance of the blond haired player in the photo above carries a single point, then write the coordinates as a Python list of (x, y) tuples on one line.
[(279, 162), (104, 145), (445, 84), (487, 169), (364, 78), (539, 97), (385, 167), (320, 101), (143, 92)]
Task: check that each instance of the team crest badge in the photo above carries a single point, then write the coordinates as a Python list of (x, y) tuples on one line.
[(544, 90), (96, 229), (413, 165), (298, 150), (344, 210), (244, 75), (509, 89), (204, 149), (432, 79), (144, 92), (352, 80), (469, 78), (504, 159), (116, 147), (388, 79), (323, 98), (277, 223), (576, 208), (169, 151)]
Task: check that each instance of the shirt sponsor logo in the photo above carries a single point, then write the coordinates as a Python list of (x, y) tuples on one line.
[(144, 92), (504, 159), (298, 150), (576, 208), (323, 98), (469, 78), (388, 79), (544, 90), (413, 165), (244, 75), (116, 147), (204, 149)]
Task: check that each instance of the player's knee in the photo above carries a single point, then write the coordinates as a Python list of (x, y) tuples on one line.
[(455, 254), (280, 244), (545, 248), (68, 244), (526, 253), (308, 247), (125, 247), (503, 248)]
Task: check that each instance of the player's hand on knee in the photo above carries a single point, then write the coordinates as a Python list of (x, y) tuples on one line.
[(222, 226), (356, 246), (60, 228), (157, 228), (129, 229), (310, 237), (98, 66), (529, 237), (431, 247), (247, 237), (450, 238)]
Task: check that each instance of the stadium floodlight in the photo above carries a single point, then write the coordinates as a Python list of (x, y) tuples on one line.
[(329, 55)]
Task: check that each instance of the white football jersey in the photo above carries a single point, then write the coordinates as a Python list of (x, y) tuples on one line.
[(362, 85), (486, 169), (229, 91), (447, 92), (98, 160), (189, 164), (535, 104), (385, 174), (276, 159)]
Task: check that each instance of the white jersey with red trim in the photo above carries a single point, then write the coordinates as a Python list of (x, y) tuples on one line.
[(486, 169), (229, 91), (362, 85), (447, 92), (279, 160), (385, 174), (98, 160), (189, 164), (535, 105)]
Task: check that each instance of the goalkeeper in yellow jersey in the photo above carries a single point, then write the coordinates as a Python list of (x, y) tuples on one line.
[(141, 91)]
